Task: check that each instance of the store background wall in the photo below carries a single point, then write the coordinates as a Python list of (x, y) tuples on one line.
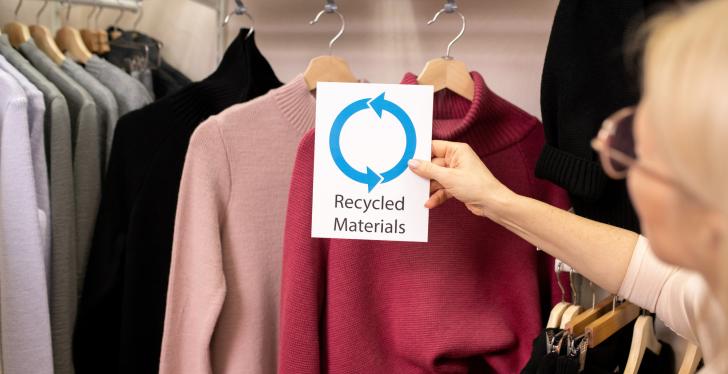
[(504, 40)]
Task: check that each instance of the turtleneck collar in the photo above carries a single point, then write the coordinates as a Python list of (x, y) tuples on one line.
[(493, 121), (297, 104)]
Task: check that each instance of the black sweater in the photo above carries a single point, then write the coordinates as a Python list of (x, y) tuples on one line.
[(121, 313), (585, 79)]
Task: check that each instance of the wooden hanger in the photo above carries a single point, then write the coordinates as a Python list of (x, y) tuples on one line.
[(89, 35), (446, 72), (569, 314), (579, 323), (328, 68), (69, 40), (44, 39), (691, 360), (643, 338), (558, 310), (611, 322), (18, 33)]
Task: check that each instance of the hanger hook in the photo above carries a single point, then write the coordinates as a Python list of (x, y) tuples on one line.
[(40, 11), (331, 7), (96, 18), (119, 17), (68, 11), (450, 7), (558, 281), (17, 9), (90, 14), (240, 10), (140, 16), (574, 297)]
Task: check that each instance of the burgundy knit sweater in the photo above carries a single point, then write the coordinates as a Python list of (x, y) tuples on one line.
[(469, 300)]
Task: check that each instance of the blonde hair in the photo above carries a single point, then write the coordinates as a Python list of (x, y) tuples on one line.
[(685, 95)]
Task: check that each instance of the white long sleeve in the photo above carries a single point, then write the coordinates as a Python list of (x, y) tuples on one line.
[(680, 298), (24, 312)]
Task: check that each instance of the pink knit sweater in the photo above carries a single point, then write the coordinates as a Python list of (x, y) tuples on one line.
[(222, 303), (469, 300)]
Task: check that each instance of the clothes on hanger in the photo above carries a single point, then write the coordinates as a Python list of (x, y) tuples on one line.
[(24, 316), (165, 79), (130, 94), (89, 161), (585, 79), (608, 357), (65, 293), (352, 306), (121, 313), (222, 305), (57, 122)]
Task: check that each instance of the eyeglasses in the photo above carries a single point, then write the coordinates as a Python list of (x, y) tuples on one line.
[(616, 146)]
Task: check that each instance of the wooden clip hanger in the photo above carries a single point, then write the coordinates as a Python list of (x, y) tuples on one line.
[(579, 323), (328, 68), (446, 72), (611, 322), (18, 33), (691, 360)]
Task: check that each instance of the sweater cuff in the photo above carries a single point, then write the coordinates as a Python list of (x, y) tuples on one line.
[(646, 275), (580, 177)]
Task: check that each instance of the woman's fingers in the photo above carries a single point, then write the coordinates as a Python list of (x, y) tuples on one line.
[(437, 199), (440, 147), (435, 185), (427, 169), (439, 161)]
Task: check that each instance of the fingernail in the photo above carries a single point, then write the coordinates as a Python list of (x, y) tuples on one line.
[(413, 163)]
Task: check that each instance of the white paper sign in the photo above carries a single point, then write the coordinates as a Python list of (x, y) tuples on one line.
[(362, 187)]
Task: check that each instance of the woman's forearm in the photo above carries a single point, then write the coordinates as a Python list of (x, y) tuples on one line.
[(598, 251)]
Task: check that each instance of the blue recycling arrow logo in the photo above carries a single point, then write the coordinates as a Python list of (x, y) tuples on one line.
[(379, 105)]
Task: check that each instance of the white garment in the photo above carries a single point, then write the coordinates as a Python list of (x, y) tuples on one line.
[(36, 114), (26, 333), (680, 298)]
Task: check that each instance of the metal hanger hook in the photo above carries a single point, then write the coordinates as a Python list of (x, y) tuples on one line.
[(450, 7), (140, 16), (558, 281), (96, 18), (88, 18), (68, 11), (574, 297), (240, 10), (40, 11), (331, 7), (17, 9)]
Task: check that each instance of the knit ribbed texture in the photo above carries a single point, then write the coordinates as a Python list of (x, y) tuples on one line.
[(222, 306), (121, 314), (466, 301), (64, 290), (26, 339), (89, 160), (585, 79)]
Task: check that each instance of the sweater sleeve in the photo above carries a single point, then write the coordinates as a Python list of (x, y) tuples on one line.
[(303, 279), (196, 283), (678, 297)]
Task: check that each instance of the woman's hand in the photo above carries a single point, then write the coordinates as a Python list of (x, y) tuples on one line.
[(456, 171)]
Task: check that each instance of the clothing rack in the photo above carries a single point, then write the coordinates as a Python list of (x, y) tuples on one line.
[(126, 5)]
